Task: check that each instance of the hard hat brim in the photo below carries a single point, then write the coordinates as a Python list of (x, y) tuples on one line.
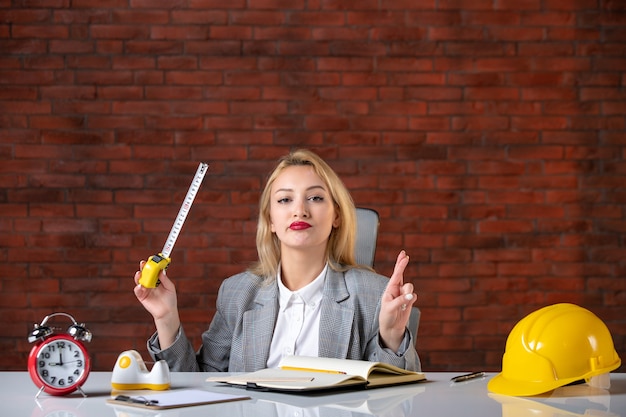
[(500, 385)]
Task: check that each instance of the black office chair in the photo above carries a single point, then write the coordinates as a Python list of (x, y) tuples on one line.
[(367, 223)]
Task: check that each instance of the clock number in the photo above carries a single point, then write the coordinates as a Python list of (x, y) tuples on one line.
[(42, 364)]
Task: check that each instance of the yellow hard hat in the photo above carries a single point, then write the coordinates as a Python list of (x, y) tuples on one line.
[(552, 347)]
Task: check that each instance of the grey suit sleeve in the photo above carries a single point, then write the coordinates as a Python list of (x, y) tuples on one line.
[(212, 356), (406, 357), (180, 357)]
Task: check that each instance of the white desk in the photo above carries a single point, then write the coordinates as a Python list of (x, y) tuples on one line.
[(436, 398)]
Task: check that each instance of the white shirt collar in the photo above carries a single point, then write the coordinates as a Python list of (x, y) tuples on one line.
[(311, 294)]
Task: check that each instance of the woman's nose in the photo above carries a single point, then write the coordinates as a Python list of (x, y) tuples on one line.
[(300, 209)]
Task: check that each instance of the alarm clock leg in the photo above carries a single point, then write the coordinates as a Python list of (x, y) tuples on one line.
[(80, 389)]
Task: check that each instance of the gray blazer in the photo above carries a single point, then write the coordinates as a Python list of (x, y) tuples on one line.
[(239, 337)]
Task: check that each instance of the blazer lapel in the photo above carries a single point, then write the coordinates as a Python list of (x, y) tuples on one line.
[(258, 328), (336, 317)]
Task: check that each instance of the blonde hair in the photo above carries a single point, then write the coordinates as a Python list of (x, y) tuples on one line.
[(341, 243)]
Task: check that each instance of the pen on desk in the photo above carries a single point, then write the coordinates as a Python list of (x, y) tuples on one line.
[(294, 368), (467, 377)]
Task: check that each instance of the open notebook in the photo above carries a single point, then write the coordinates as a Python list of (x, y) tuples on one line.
[(305, 373)]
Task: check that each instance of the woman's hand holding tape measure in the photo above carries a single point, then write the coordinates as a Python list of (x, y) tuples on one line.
[(157, 263), (153, 288)]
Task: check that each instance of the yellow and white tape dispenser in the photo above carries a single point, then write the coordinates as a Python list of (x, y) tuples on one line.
[(131, 373)]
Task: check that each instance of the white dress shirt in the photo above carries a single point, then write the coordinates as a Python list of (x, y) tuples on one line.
[(298, 324)]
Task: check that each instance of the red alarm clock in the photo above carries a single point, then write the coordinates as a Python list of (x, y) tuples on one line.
[(59, 364)]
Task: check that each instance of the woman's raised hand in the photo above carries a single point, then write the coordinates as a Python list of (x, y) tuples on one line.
[(396, 304), (162, 304)]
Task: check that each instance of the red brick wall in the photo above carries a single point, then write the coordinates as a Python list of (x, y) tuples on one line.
[(489, 134)]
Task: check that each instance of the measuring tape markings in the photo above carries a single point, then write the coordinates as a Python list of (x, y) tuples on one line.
[(156, 263)]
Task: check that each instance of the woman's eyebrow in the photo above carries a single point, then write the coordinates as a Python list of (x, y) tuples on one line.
[(313, 187)]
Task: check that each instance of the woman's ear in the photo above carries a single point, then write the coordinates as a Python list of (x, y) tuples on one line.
[(337, 220)]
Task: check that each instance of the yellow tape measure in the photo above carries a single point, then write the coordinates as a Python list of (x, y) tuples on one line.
[(157, 263)]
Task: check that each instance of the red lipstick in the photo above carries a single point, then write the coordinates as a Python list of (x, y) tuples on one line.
[(299, 226)]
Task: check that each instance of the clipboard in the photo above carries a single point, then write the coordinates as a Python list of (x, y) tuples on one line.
[(175, 399)]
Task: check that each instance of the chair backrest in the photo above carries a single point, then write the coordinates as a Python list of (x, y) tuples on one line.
[(367, 223), (414, 321)]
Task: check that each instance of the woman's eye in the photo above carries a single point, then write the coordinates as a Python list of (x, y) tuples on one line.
[(316, 198), (283, 200)]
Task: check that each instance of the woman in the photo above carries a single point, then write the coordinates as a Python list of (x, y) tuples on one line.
[(304, 296)]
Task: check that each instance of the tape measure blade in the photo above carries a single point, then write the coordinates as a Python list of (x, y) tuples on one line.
[(184, 209)]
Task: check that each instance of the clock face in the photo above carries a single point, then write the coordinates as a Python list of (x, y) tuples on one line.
[(60, 364)]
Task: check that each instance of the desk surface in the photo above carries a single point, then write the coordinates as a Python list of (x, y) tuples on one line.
[(436, 397)]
